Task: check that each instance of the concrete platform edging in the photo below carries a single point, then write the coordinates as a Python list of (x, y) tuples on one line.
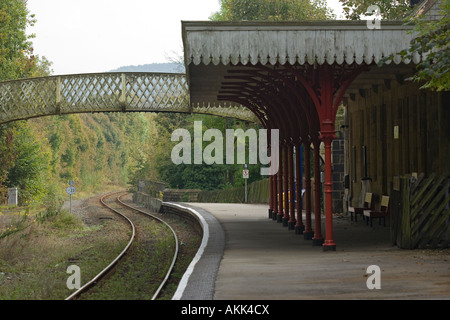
[(198, 281)]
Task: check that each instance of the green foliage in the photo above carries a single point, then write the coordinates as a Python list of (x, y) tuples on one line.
[(17, 225), (390, 10), (8, 156), (16, 52), (196, 176), (30, 170), (271, 10), (433, 39), (258, 192), (23, 161)]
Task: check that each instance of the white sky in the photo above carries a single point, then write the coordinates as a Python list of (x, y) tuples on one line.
[(86, 36)]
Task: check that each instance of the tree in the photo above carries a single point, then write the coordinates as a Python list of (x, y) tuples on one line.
[(17, 61), (434, 39), (271, 10), (432, 43), (31, 169), (390, 10), (16, 52), (7, 157)]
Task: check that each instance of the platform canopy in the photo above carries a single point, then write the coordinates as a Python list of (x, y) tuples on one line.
[(214, 49), (293, 77)]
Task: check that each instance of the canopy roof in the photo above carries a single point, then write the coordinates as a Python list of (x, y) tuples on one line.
[(293, 42), (215, 51)]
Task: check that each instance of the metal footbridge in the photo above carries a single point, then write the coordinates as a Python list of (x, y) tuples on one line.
[(105, 92)]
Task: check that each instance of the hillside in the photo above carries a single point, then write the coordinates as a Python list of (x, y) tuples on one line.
[(169, 67), (106, 150)]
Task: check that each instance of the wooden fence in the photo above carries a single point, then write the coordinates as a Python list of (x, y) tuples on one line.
[(420, 210)]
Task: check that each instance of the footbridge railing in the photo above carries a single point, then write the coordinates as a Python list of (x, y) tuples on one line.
[(104, 92)]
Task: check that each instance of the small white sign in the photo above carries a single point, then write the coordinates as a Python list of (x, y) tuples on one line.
[(70, 190), (245, 174), (396, 132), (12, 196)]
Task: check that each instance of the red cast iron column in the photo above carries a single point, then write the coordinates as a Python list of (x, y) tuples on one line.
[(270, 196), (270, 180), (299, 227), (275, 196), (291, 222), (286, 184), (327, 136), (317, 239), (280, 185), (308, 233)]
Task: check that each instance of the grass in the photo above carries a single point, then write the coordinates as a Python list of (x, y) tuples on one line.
[(38, 247), (139, 274)]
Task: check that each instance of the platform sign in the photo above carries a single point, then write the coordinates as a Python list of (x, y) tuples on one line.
[(71, 190)]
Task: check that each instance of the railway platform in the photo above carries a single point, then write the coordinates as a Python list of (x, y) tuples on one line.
[(251, 257)]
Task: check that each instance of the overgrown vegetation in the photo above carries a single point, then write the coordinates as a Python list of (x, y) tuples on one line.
[(35, 252)]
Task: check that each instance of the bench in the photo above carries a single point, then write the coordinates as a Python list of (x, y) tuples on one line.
[(382, 214), (369, 204)]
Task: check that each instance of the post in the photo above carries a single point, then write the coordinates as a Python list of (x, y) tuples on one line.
[(291, 222), (245, 190), (405, 240), (71, 190), (245, 174), (317, 239), (299, 227), (275, 196), (58, 95), (328, 135), (123, 93), (286, 185), (307, 233), (280, 187), (270, 196)]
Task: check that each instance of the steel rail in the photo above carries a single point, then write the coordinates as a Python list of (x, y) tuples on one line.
[(114, 262), (175, 256)]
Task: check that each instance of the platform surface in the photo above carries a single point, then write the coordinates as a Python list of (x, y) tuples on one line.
[(262, 260)]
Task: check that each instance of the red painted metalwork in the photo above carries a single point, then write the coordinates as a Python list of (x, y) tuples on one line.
[(291, 222), (265, 94), (326, 84), (275, 197), (328, 137), (301, 101), (317, 239), (280, 187), (299, 227), (270, 196), (307, 233), (286, 184)]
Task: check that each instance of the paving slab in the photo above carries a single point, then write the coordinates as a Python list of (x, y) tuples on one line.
[(262, 260)]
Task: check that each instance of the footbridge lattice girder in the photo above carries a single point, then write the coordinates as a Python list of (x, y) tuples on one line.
[(105, 92)]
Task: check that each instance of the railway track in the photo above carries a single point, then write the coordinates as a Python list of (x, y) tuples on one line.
[(130, 216)]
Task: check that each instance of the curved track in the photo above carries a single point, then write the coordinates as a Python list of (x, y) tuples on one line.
[(109, 268)]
